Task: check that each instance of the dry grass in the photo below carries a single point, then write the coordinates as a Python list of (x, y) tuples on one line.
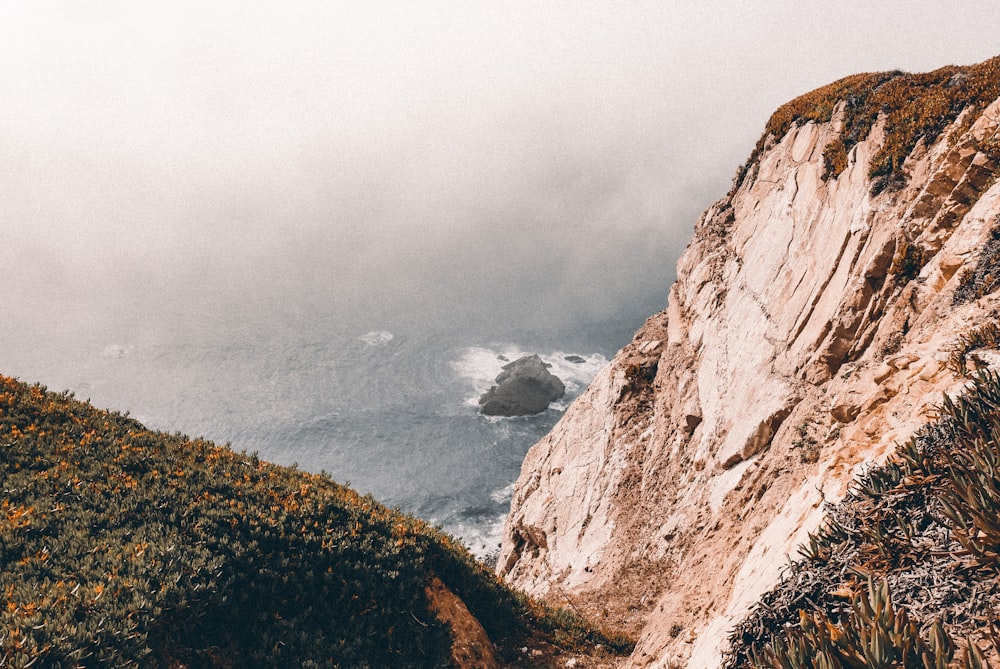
[(915, 107)]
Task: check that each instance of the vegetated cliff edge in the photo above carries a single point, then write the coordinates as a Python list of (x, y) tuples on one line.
[(808, 333)]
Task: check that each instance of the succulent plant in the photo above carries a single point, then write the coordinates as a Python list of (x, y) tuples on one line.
[(971, 496), (984, 336), (984, 277), (926, 522), (871, 634)]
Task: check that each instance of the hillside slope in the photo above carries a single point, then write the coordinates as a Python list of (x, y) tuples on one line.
[(123, 547), (809, 331)]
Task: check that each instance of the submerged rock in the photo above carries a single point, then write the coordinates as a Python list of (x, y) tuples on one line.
[(524, 387)]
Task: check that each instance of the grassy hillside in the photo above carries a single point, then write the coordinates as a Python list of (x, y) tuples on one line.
[(124, 547)]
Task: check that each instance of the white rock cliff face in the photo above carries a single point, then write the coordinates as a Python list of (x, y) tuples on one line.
[(792, 352)]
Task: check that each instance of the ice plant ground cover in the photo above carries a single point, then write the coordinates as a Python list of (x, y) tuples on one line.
[(905, 566), (127, 547)]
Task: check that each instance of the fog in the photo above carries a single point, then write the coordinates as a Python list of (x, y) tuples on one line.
[(479, 165)]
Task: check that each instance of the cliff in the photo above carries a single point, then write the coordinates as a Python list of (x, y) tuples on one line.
[(813, 326)]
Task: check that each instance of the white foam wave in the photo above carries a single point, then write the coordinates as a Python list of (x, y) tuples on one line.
[(576, 375), (481, 538), (377, 337), (480, 366), (115, 351), (503, 495)]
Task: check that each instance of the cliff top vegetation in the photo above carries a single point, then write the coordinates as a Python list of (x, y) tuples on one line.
[(915, 106), (127, 547)]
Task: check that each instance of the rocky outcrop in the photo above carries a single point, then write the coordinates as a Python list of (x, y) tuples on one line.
[(524, 387), (807, 333)]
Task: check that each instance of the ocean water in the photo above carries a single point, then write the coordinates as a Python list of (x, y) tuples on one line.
[(391, 411)]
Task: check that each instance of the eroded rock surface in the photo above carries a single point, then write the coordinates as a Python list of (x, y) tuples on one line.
[(797, 346)]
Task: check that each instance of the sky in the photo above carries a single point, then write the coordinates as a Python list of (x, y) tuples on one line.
[(480, 165)]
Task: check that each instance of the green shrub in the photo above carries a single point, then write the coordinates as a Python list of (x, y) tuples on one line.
[(834, 159), (908, 261), (984, 278), (986, 335), (807, 445), (990, 147)]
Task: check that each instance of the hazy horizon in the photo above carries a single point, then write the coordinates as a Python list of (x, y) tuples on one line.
[(487, 166)]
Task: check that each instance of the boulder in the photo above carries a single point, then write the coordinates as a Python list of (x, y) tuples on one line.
[(524, 387)]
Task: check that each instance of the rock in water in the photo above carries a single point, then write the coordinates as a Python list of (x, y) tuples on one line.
[(524, 387)]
